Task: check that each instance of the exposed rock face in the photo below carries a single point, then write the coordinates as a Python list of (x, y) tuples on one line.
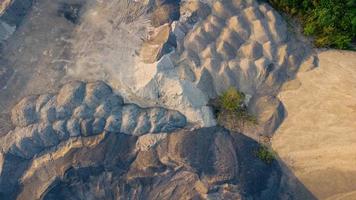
[(152, 49), (208, 151), (81, 109), (65, 144), (165, 12), (78, 110), (109, 166)]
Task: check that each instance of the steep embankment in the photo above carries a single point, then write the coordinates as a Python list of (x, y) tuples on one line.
[(317, 139)]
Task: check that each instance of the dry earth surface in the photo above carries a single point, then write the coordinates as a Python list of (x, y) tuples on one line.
[(145, 130), (317, 139)]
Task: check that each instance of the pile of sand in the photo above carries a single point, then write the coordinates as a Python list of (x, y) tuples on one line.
[(243, 44), (317, 139)]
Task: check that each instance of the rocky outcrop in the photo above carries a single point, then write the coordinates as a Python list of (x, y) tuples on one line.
[(161, 41), (165, 12), (111, 167), (86, 133), (78, 110), (209, 152), (81, 109)]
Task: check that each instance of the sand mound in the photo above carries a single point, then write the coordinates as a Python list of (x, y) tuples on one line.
[(243, 44), (317, 139)]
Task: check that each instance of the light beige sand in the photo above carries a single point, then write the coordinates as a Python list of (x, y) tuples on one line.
[(317, 140), (3, 5)]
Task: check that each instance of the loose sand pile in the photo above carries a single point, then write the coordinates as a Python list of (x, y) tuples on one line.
[(317, 139), (233, 43)]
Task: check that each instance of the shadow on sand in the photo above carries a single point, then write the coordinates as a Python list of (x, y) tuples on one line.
[(255, 174)]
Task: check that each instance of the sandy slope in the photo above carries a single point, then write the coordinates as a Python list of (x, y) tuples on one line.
[(318, 138)]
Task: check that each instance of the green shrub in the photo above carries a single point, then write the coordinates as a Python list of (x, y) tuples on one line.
[(231, 100), (309, 29), (331, 22), (231, 110), (265, 154)]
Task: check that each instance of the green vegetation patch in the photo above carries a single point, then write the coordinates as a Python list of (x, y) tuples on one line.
[(232, 100), (265, 154), (231, 111), (332, 23)]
